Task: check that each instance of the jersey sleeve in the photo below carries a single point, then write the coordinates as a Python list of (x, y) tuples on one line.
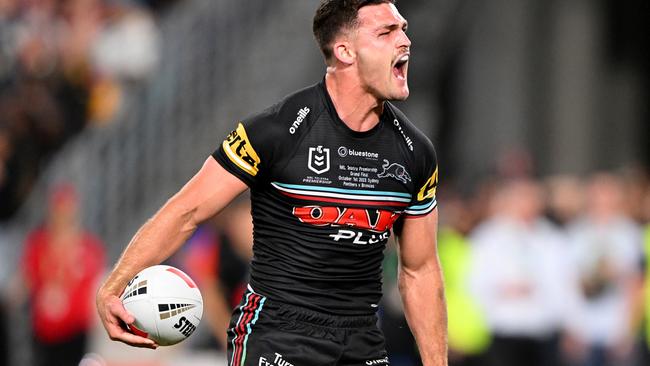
[(426, 183), (247, 151)]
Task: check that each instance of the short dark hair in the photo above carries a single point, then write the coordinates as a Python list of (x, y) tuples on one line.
[(332, 16)]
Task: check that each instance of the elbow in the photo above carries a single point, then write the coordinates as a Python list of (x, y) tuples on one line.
[(426, 270), (428, 277)]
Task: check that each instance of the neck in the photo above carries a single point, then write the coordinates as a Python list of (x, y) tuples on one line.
[(63, 229), (356, 107)]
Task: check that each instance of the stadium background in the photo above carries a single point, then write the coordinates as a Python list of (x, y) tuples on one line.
[(501, 87)]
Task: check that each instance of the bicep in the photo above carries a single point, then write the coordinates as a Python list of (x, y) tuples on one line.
[(417, 242), (209, 191)]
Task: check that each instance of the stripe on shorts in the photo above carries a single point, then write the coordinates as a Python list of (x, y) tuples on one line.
[(249, 314)]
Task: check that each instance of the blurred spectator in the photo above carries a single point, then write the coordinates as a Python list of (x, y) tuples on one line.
[(521, 278), (217, 257), (607, 252), (565, 199), (124, 52), (63, 64), (636, 182), (39, 106), (469, 336), (31, 129), (127, 46), (60, 266)]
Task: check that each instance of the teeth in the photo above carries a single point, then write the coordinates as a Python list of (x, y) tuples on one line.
[(403, 58)]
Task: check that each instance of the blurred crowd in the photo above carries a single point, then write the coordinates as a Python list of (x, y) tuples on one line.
[(548, 271), (538, 271), (64, 65)]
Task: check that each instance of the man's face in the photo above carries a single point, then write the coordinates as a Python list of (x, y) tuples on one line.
[(383, 51)]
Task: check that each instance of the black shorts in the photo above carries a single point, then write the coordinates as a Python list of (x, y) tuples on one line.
[(269, 333)]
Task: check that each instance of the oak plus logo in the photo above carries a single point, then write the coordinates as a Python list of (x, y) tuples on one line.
[(319, 159), (378, 222)]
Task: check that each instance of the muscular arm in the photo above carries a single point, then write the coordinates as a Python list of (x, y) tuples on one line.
[(421, 287), (210, 190)]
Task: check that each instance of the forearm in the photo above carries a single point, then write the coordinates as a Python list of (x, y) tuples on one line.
[(154, 242), (423, 296), (211, 189)]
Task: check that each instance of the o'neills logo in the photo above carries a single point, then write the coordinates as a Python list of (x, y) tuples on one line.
[(302, 114), (408, 140), (381, 361)]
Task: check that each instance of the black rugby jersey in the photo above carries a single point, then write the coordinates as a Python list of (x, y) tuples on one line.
[(325, 197)]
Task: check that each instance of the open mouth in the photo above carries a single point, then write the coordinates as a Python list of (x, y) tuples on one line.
[(399, 69)]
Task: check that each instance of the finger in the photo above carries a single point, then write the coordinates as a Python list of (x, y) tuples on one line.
[(117, 309), (137, 341), (117, 333)]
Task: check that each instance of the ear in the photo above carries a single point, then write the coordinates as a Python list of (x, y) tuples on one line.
[(344, 52)]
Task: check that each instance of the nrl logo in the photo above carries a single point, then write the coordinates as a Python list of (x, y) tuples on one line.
[(319, 159)]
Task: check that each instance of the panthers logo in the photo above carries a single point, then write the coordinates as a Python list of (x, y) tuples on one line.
[(394, 170)]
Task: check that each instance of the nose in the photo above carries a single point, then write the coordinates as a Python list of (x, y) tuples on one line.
[(403, 41)]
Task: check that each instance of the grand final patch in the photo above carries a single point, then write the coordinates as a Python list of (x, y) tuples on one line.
[(429, 189), (240, 151)]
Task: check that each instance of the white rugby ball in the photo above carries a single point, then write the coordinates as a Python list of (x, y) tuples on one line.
[(166, 303)]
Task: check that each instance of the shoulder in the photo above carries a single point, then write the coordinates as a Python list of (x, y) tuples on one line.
[(93, 242), (36, 237), (33, 250), (414, 139), (263, 140), (290, 114), (629, 227)]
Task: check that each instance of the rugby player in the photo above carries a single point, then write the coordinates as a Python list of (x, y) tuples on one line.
[(332, 169)]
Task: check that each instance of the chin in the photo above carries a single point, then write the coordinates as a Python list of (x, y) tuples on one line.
[(400, 95)]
